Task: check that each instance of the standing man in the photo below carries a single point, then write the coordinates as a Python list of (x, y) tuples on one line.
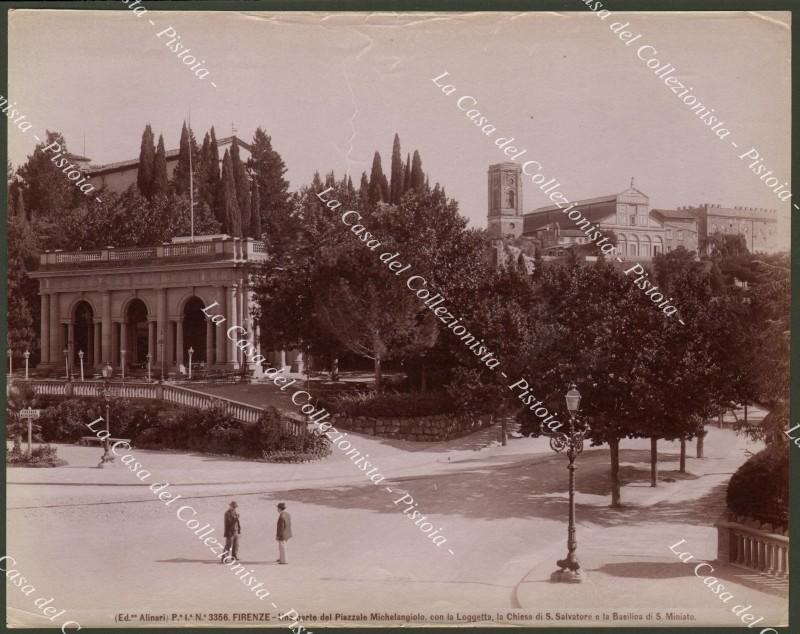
[(284, 531), (232, 531)]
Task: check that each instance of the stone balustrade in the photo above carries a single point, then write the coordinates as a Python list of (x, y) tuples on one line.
[(753, 545), (220, 248), (174, 394)]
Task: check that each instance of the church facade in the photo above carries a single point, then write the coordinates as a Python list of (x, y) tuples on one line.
[(642, 231)]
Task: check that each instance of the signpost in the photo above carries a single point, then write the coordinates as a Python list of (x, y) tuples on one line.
[(30, 414)]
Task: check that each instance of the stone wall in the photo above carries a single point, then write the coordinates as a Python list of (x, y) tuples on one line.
[(427, 428)]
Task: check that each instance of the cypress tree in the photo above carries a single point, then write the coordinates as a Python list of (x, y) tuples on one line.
[(396, 192), (363, 190), (407, 174), (417, 175), (255, 213), (180, 177), (213, 153), (242, 186), (377, 179), (228, 203), (144, 175), (160, 180)]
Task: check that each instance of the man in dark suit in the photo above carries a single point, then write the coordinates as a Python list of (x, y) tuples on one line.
[(284, 532), (232, 531)]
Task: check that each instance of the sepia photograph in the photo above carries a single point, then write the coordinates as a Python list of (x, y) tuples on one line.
[(397, 318)]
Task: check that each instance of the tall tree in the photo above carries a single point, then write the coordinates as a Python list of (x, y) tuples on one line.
[(417, 175), (407, 174), (397, 172), (147, 157), (377, 182), (266, 168), (188, 157), (160, 178), (255, 213), (211, 169), (228, 202), (242, 187), (47, 192), (23, 291)]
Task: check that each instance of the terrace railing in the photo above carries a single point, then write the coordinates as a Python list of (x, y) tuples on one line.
[(175, 394)]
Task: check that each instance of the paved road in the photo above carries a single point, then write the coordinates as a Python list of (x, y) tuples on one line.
[(100, 544)]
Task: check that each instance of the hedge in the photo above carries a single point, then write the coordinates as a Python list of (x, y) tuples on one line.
[(760, 487), (154, 426)]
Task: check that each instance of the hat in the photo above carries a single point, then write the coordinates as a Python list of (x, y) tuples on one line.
[(281, 506), (234, 504)]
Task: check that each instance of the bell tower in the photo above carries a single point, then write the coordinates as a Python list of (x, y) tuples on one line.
[(505, 200)]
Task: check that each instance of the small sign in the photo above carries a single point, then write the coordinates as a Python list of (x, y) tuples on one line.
[(30, 413)]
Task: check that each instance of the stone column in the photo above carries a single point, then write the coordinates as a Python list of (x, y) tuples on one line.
[(114, 360), (105, 329), (71, 346), (45, 329), (222, 298), (55, 331), (209, 342), (161, 328), (247, 322), (123, 344), (97, 346), (179, 342), (233, 320), (151, 341)]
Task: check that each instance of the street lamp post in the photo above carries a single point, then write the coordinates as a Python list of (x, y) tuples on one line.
[(106, 391), (191, 352), (27, 355), (80, 356), (571, 442), (66, 362), (148, 357)]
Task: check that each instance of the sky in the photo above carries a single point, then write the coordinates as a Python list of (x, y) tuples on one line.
[(331, 89)]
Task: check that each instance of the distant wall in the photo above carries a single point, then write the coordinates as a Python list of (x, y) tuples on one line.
[(424, 428)]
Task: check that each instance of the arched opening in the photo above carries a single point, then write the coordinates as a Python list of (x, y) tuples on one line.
[(194, 331), (83, 335), (135, 344)]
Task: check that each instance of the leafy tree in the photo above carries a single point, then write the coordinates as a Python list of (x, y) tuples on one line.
[(266, 169), (129, 219), (48, 192), (146, 170), (160, 179)]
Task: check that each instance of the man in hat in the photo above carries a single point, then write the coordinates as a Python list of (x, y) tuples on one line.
[(284, 532), (232, 531)]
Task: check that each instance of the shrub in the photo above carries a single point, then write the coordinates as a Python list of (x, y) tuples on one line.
[(760, 487), (391, 405), (41, 456), (66, 420)]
